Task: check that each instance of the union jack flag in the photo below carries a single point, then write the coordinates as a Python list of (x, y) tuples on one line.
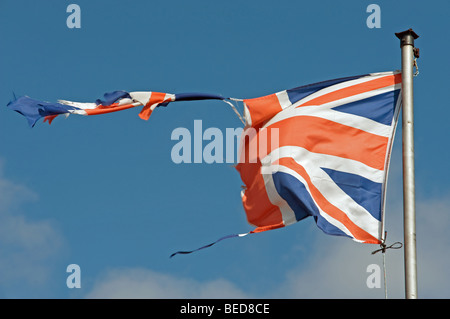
[(322, 149), (329, 159)]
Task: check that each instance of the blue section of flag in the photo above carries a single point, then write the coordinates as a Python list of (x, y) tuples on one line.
[(328, 228), (197, 96), (111, 97), (203, 247), (378, 108), (33, 110), (295, 194), (301, 202), (362, 190), (301, 92)]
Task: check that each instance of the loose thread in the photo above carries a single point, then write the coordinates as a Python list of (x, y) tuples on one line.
[(234, 109)]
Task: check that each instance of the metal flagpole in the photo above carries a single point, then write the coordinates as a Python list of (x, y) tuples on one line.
[(409, 211)]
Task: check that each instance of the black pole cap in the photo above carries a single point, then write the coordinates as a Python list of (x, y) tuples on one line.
[(409, 31), (405, 41)]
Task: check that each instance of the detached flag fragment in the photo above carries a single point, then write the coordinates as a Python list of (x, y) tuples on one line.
[(115, 101), (327, 158)]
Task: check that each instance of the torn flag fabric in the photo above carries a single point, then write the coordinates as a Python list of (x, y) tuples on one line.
[(329, 158), (115, 101), (320, 150)]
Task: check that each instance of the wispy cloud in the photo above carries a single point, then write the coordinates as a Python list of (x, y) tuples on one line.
[(145, 283), (27, 246)]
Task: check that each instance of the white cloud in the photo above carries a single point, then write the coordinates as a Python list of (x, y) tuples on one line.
[(433, 240), (145, 283), (337, 269), (26, 246)]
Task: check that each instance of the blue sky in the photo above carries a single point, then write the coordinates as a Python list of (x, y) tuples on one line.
[(103, 193)]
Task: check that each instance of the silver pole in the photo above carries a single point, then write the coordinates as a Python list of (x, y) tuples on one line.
[(409, 211)]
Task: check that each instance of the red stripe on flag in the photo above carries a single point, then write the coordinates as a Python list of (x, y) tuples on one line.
[(355, 89), (266, 228), (258, 207), (263, 108), (50, 118), (155, 97), (108, 109), (326, 137)]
